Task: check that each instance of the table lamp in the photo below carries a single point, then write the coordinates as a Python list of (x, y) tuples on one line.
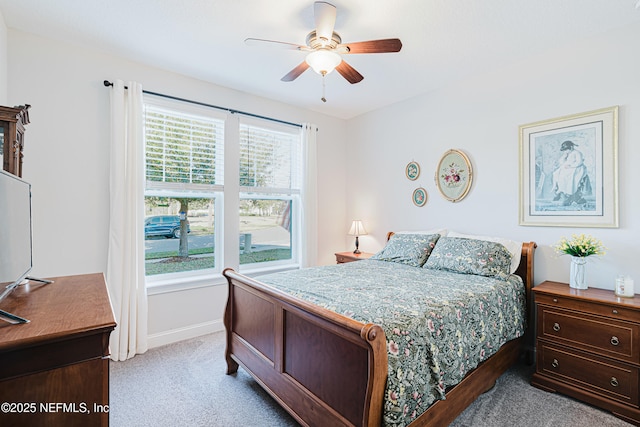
[(357, 229)]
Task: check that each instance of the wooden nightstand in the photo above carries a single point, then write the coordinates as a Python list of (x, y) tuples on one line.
[(342, 257), (588, 347)]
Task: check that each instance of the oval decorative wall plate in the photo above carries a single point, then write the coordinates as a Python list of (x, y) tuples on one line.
[(454, 175), (419, 197), (412, 170)]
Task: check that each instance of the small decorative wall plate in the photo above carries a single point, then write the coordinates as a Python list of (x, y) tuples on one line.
[(413, 170), (454, 175), (419, 197)]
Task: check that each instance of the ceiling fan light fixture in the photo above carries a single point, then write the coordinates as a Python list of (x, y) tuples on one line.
[(323, 61), (324, 48)]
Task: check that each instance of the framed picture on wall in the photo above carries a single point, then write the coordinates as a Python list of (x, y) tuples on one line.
[(419, 197), (454, 175), (569, 170), (412, 171)]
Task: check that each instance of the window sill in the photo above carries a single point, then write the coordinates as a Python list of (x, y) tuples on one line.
[(165, 285)]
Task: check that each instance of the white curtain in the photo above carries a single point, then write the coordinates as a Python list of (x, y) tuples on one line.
[(309, 197), (125, 262)]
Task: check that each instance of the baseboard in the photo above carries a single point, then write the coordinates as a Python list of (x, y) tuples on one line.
[(180, 334)]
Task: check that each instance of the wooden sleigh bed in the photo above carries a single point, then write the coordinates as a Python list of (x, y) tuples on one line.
[(328, 369)]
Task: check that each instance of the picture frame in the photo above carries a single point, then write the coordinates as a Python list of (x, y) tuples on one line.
[(569, 170), (412, 171), (454, 175), (419, 197)]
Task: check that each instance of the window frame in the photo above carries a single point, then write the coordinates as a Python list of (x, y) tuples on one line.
[(226, 199), (195, 278), (278, 193)]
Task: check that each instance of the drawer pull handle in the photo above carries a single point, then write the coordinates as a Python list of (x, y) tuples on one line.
[(614, 381), (615, 340), (556, 327), (555, 300), (555, 363), (615, 311)]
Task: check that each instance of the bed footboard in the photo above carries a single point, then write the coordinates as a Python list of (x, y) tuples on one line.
[(323, 368)]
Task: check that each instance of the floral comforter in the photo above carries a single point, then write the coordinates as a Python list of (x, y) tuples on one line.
[(439, 325)]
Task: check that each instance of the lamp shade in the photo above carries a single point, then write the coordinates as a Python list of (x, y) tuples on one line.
[(323, 61), (357, 229)]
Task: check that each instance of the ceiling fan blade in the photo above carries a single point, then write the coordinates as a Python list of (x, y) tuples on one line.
[(295, 73), (325, 19), (372, 46), (349, 73), (274, 44)]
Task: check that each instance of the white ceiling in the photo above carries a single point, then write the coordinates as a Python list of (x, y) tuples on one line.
[(443, 40)]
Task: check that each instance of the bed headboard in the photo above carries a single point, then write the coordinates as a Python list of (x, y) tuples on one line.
[(525, 269)]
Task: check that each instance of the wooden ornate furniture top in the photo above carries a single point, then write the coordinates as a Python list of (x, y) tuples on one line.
[(12, 123)]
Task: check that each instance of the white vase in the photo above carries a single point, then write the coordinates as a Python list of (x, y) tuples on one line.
[(578, 266)]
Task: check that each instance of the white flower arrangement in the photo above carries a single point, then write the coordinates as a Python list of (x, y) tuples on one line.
[(580, 245)]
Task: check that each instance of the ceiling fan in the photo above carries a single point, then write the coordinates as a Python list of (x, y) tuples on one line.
[(325, 47)]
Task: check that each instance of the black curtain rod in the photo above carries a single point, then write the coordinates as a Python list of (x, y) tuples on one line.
[(107, 83)]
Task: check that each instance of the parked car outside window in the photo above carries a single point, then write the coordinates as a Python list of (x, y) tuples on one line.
[(163, 225)]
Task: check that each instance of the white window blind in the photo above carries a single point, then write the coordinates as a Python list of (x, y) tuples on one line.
[(270, 159), (183, 150)]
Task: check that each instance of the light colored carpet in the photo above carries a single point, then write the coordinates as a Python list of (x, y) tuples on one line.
[(185, 384)]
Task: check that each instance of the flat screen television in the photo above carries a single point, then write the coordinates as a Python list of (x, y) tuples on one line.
[(15, 235), (15, 229)]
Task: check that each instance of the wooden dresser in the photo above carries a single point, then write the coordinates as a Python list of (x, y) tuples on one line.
[(588, 347), (54, 370)]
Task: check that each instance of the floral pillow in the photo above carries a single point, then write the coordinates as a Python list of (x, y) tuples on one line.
[(470, 256), (515, 248), (410, 249)]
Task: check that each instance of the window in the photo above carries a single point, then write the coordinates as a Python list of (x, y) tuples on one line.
[(270, 185), (184, 148), (186, 199)]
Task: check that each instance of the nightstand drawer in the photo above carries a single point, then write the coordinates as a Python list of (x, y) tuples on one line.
[(607, 337), (340, 259), (615, 381), (608, 310)]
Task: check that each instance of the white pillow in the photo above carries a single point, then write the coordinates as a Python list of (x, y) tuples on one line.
[(515, 248), (441, 231)]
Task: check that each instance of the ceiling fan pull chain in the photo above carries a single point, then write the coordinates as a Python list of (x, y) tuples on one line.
[(323, 99)]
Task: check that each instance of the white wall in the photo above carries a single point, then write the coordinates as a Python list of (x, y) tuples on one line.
[(3, 61), (66, 160), (481, 116)]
